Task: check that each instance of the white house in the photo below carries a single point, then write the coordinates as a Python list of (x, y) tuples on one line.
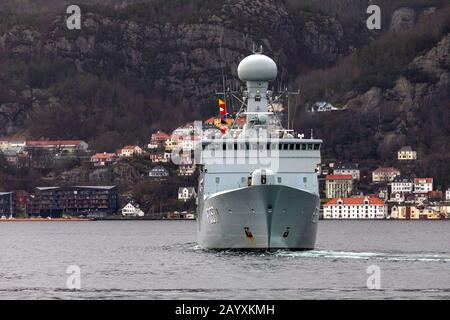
[(158, 139), (129, 151), (186, 193), (347, 168), (402, 185), (186, 169), (385, 174), (103, 159), (355, 208), (158, 171), (398, 197), (132, 210), (423, 185), (323, 107), (406, 153)]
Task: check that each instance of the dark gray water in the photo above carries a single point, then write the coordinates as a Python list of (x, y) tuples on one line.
[(160, 260)]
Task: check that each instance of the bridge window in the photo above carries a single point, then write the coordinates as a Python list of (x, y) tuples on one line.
[(291, 147), (305, 179), (316, 146), (303, 146), (285, 146), (297, 146), (224, 147), (279, 179), (310, 146)]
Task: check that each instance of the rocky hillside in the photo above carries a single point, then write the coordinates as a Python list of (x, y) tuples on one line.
[(137, 66)]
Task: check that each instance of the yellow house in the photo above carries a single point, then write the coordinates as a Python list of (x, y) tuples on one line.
[(414, 213)]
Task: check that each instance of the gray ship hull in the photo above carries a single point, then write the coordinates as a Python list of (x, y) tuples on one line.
[(259, 217)]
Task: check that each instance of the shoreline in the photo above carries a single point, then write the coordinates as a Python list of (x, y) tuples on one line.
[(87, 219)]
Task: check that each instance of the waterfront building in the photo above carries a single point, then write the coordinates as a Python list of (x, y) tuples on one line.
[(423, 185), (347, 168), (337, 186), (132, 210), (406, 153), (74, 200), (186, 193), (420, 212), (385, 174), (355, 208)]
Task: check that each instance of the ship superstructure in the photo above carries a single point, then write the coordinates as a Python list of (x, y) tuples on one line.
[(258, 186)]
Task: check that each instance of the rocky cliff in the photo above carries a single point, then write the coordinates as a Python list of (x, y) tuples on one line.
[(141, 67)]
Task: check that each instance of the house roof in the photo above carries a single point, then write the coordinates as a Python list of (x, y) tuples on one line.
[(355, 201), (427, 180), (339, 177), (104, 155), (386, 170), (130, 147), (346, 166), (160, 136), (402, 179), (406, 148)]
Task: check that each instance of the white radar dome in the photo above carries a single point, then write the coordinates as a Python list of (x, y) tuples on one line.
[(257, 67)]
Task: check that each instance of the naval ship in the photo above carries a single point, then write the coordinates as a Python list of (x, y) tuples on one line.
[(258, 186)]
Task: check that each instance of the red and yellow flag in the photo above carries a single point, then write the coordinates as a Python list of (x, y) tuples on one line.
[(222, 107)]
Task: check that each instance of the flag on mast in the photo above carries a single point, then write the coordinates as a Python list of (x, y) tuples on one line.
[(222, 111), (222, 107)]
